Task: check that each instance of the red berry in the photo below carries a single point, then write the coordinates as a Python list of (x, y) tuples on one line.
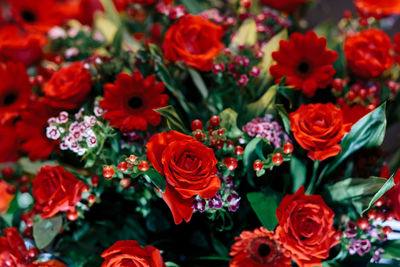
[(389, 203), (277, 159), (355, 88), (143, 166), (258, 165), (32, 253), (351, 95), (196, 125), (363, 22), (132, 158), (28, 232), (11, 189), (380, 216), (389, 216), (86, 188), (229, 143), (220, 144), (220, 132), (213, 141), (199, 135), (245, 3), (214, 121), (125, 183), (347, 14), (108, 172), (95, 180), (373, 90), (287, 148), (23, 189), (362, 94), (338, 84), (372, 214), (7, 171), (238, 150), (379, 202), (123, 166), (39, 79), (386, 230), (231, 163), (91, 199), (72, 215), (341, 101), (338, 235), (24, 179), (363, 223)]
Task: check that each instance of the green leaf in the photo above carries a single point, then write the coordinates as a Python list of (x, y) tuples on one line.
[(156, 178), (45, 230), (265, 205), (392, 250), (156, 221), (271, 46), (359, 192), (284, 117), (193, 6), (174, 122), (262, 105), (171, 264), (229, 122), (253, 151), (246, 35), (298, 172), (117, 41), (386, 187), (368, 132), (33, 167), (199, 82)]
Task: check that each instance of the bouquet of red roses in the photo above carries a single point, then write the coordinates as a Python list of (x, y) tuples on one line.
[(196, 133)]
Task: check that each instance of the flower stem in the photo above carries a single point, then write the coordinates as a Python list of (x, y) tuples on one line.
[(311, 186)]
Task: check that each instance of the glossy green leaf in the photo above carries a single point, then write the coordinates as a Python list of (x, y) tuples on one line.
[(253, 151), (174, 122), (386, 187), (246, 35), (45, 230), (229, 123), (156, 178), (368, 132), (193, 6), (265, 205), (199, 82), (265, 103), (269, 48), (298, 173), (392, 250), (359, 192), (284, 117)]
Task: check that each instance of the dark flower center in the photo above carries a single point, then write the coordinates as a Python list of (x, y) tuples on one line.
[(303, 67), (264, 250), (28, 16), (135, 102), (10, 99)]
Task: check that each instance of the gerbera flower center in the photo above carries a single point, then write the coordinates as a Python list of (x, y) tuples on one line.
[(28, 16), (135, 102), (303, 67), (9, 99), (263, 250)]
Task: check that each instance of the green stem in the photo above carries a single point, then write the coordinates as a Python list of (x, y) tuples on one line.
[(311, 186)]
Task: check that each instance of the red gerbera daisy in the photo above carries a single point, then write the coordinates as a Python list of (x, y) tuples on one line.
[(16, 45), (287, 6), (305, 62), (31, 130), (377, 9), (8, 143), (258, 248), (38, 16), (15, 90), (397, 46), (130, 101)]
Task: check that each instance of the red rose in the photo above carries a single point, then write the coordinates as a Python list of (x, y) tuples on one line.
[(287, 6), (397, 46), (55, 190), (12, 249), (50, 263), (18, 46), (69, 87), (5, 197), (129, 253), (393, 195), (319, 128), (189, 168), (193, 40), (377, 9), (306, 228), (368, 53)]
